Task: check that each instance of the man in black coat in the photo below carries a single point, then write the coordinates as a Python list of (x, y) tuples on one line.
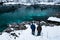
[(39, 28), (33, 29)]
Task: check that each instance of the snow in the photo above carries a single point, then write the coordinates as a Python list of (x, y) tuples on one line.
[(24, 3), (47, 3), (28, 4), (48, 33), (54, 19), (7, 3), (12, 29)]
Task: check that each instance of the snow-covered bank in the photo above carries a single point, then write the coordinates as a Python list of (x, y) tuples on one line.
[(41, 3), (48, 33), (54, 19)]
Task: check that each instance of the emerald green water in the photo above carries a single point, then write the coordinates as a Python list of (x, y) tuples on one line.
[(24, 14)]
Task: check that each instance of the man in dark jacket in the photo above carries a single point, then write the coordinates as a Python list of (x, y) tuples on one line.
[(39, 28), (33, 29)]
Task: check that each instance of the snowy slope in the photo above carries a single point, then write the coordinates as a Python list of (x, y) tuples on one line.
[(48, 33)]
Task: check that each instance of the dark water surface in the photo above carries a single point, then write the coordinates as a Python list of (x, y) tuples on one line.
[(24, 14)]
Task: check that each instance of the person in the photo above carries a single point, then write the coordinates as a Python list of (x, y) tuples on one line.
[(39, 28), (33, 29)]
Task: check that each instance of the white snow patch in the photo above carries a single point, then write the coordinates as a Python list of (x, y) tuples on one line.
[(54, 19)]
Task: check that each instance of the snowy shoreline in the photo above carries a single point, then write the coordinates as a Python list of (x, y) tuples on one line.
[(48, 33), (41, 3)]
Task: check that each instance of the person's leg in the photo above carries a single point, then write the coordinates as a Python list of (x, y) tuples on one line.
[(33, 32), (38, 33)]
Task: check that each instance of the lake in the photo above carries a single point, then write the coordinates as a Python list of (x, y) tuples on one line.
[(25, 14)]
